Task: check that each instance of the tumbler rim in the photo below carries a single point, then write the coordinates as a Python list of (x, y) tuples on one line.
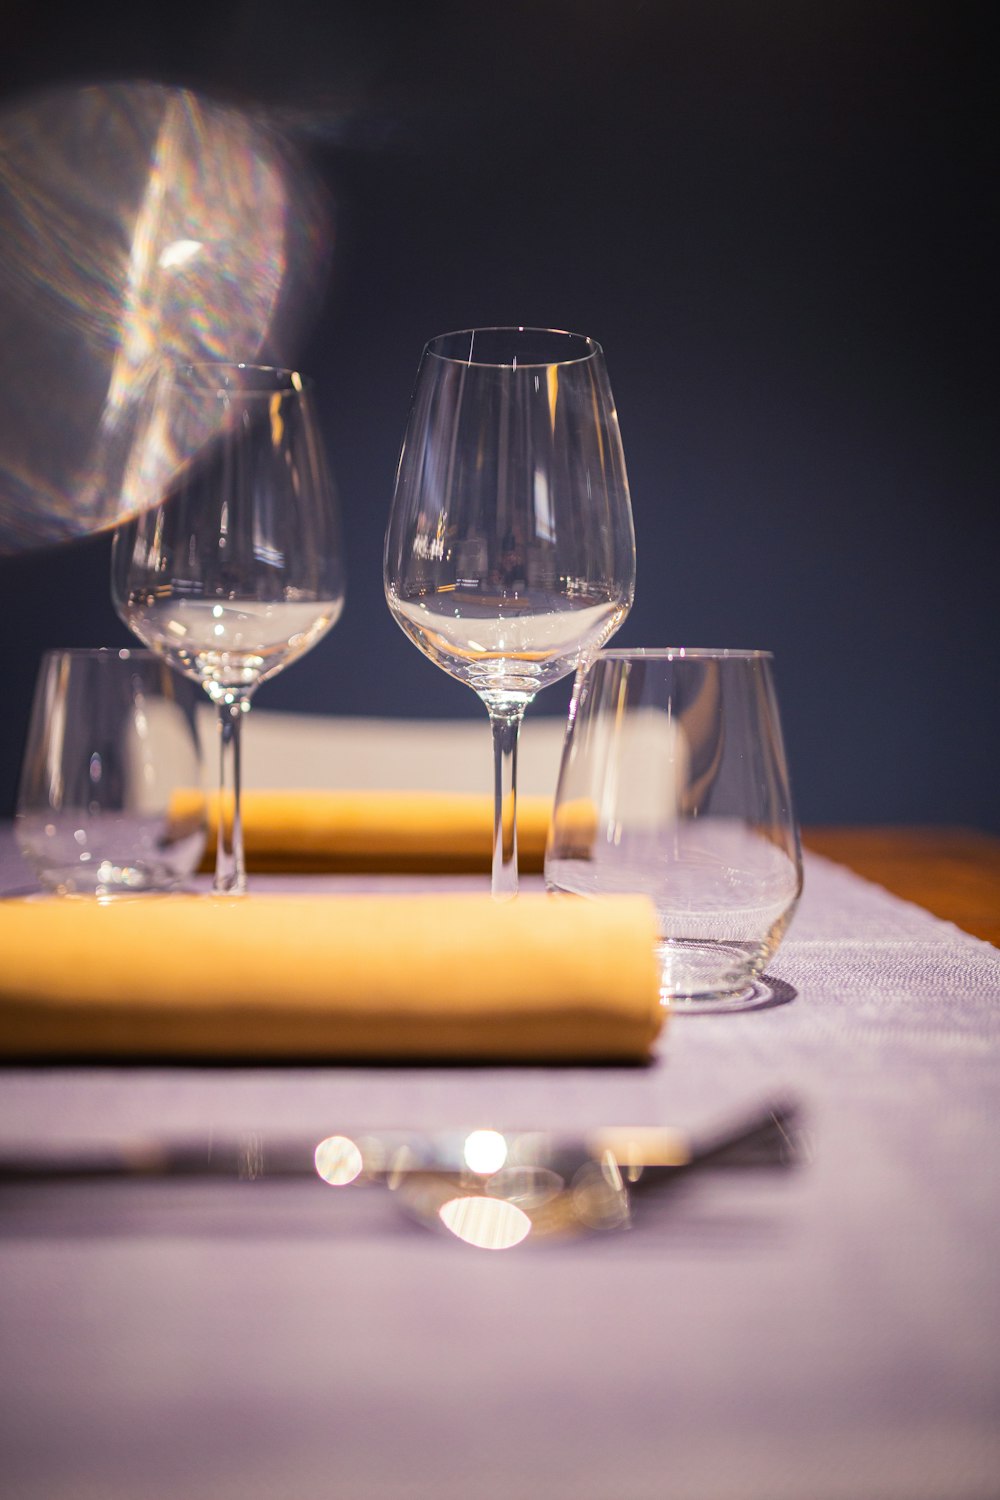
[(273, 380), (681, 653)]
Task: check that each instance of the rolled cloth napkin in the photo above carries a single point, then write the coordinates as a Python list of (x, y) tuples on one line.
[(353, 977), (377, 831)]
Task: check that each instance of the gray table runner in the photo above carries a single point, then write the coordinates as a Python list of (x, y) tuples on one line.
[(832, 1333)]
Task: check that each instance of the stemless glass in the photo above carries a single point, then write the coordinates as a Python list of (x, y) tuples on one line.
[(238, 570), (510, 551), (110, 800), (674, 783)]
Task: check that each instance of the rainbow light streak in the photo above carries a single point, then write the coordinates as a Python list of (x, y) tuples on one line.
[(140, 224)]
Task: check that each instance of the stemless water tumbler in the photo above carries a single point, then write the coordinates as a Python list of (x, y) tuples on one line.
[(674, 783), (110, 799)]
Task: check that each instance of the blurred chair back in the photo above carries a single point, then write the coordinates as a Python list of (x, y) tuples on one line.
[(299, 751)]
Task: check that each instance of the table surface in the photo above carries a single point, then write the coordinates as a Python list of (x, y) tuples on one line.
[(828, 1331), (952, 872)]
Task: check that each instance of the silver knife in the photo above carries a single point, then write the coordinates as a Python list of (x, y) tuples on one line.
[(766, 1135)]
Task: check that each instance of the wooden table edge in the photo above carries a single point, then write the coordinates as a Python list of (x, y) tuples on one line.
[(953, 872)]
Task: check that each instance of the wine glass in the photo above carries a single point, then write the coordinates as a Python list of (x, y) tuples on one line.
[(237, 571), (510, 552), (109, 801)]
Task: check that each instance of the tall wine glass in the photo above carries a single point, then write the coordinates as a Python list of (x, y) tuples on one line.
[(238, 570), (510, 552)]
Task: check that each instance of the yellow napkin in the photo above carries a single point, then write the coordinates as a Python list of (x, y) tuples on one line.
[(541, 978), (377, 831), (575, 825)]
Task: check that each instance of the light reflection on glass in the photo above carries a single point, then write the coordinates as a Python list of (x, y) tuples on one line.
[(485, 1151), (600, 1198), (338, 1160), (374, 1154), (250, 1157), (486, 1223), (399, 1165), (529, 1188), (140, 223)]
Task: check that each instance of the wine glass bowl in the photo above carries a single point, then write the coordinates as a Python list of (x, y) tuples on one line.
[(237, 570), (510, 551)]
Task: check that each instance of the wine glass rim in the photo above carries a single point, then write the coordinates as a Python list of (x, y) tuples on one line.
[(283, 379), (591, 348), (682, 653)]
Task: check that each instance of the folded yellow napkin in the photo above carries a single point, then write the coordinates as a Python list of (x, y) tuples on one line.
[(377, 831), (542, 978)]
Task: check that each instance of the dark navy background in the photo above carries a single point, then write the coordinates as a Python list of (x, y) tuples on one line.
[(777, 218)]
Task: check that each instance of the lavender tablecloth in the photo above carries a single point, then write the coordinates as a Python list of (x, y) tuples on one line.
[(832, 1332)]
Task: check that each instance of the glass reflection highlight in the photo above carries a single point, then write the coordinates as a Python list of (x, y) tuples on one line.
[(545, 1187), (140, 223), (339, 1160), (485, 1151), (486, 1223)]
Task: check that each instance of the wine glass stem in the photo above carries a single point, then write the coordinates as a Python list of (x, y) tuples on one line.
[(506, 727), (230, 862)]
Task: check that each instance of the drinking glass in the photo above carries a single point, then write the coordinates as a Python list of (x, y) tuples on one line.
[(110, 800), (510, 552), (237, 571), (674, 783)]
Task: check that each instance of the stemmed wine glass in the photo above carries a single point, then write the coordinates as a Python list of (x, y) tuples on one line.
[(238, 570), (510, 553)]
